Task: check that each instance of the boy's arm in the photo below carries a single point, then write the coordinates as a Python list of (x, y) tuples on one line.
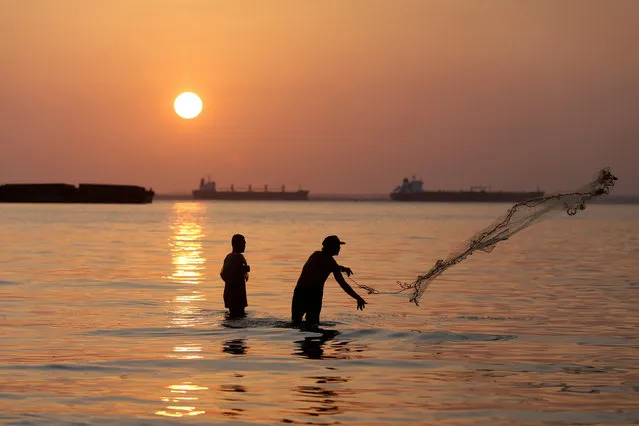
[(233, 267), (245, 268)]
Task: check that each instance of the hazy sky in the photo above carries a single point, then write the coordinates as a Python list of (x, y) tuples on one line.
[(340, 96)]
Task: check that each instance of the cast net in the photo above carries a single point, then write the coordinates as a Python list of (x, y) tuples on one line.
[(518, 217)]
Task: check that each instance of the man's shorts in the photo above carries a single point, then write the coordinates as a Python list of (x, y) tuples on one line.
[(307, 303)]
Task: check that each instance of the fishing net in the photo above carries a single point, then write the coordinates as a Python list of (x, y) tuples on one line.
[(518, 217)]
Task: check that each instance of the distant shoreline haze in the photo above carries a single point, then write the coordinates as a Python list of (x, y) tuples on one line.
[(609, 199)]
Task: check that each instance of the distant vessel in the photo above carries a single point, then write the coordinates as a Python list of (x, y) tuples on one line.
[(413, 191), (208, 191), (83, 193)]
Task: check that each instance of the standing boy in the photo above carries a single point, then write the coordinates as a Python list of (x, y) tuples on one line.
[(235, 275)]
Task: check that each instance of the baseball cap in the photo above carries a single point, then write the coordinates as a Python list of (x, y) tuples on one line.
[(332, 241)]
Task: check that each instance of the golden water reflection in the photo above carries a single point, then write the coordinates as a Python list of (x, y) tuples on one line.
[(186, 305), (180, 404), (188, 264)]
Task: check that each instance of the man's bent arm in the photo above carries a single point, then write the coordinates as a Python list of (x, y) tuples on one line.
[(347, 288)]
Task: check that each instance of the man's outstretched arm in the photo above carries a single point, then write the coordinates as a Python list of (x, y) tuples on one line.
[(349, 290)]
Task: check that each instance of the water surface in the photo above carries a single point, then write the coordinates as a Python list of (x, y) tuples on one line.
[(114, 315)]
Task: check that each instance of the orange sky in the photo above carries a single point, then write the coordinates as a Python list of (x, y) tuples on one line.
[(338, 96)]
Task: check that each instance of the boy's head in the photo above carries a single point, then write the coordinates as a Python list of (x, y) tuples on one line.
[(238, 243)]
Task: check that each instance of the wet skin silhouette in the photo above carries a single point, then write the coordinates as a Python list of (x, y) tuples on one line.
[(235, 275), (309, 291)]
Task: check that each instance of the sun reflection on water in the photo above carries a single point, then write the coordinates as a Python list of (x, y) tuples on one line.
[(188, 264), (178, 403), (186, 311)]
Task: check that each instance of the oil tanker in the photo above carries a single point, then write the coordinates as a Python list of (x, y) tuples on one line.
[(413, 191), (209, 191), (66, 193)]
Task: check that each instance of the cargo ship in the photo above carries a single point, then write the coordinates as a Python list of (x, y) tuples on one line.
[(413, 191), (66, 193), (209, 191)]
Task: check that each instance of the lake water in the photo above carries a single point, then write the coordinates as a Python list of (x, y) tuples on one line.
[(113, 315)]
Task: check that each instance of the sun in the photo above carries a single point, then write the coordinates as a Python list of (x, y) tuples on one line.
[(188, 105)]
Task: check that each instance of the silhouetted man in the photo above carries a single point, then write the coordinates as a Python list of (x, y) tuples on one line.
[(235, 275), (308, 294)]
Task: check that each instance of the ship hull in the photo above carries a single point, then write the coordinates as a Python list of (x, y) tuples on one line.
[(84, 193), (250, 195), (466, 196)]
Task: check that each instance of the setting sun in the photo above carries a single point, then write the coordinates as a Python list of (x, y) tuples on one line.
[(188, 105)]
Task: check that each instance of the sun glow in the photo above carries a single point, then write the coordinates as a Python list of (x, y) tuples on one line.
[(188, 105)]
